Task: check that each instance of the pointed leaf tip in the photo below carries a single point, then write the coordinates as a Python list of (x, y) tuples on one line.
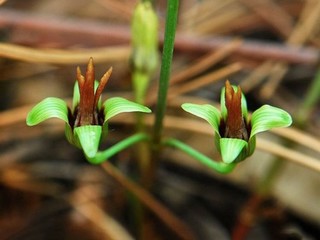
[(48, 108)]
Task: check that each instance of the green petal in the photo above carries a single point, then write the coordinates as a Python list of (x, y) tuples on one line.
[(68, 131), (48, 108), (76, 96), (88, 138), (244, 107), (251, 146), (206, 112), (117, 105), (231, 148), (268, 117)]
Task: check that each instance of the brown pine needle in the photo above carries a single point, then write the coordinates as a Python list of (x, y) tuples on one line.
[(59, 56), (202, 81)]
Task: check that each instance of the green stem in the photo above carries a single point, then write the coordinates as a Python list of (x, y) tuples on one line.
[(220, 167), (140, 84), (310, 100), (168, 46), (267, 181), (301, 115), (102, 156)]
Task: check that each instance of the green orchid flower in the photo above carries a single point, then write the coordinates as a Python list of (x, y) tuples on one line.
[(87, 120), (235, 131)]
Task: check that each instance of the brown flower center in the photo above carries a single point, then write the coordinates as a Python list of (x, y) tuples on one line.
[(87, 111), (235, 126)]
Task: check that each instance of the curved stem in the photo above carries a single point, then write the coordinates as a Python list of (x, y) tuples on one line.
[(220, 167), (102, 156)]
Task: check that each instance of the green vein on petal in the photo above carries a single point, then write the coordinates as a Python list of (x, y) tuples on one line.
[(117, 105), (268, 117), (206, 112), (88, 137), (48, 108), (230, 148)]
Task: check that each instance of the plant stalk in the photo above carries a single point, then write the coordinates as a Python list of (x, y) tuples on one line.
[(220, 167), (103, 156), (168, 46)]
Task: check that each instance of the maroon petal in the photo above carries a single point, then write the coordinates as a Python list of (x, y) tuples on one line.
[(235, 125)]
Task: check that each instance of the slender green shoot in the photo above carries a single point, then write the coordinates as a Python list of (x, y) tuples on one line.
[(220, 167), (168, 46), (102, 156)]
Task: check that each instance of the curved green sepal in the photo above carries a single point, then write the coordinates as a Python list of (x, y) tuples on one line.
[(206, 112), (251, 146), (117, 105), (231, 149), (223, 107), (48, 108), (70, 136), (88, 139), (268, 117)]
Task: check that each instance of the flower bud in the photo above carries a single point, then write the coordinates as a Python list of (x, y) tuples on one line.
[(144, 38)]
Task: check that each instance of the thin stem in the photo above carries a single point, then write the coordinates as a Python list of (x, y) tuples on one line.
[(310, 100), (165, 215), (168, 46), (140, 83), (267, 181), (118, 147), (220, 167)]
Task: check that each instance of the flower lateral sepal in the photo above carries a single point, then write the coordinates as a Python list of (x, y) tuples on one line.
[(50, 107), (117, 105)]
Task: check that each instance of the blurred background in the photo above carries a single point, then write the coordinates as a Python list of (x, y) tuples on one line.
[(268, 47)]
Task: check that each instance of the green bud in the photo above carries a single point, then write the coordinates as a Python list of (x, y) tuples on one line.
[(144, 38)]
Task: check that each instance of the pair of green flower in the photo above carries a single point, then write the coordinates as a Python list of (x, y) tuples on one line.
[(87, 121)]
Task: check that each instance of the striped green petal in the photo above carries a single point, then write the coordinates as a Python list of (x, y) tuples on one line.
[(76, 96), (117, 105), (206, 112), (268, 117), (233, 149), (88, 139), (48, 108)]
